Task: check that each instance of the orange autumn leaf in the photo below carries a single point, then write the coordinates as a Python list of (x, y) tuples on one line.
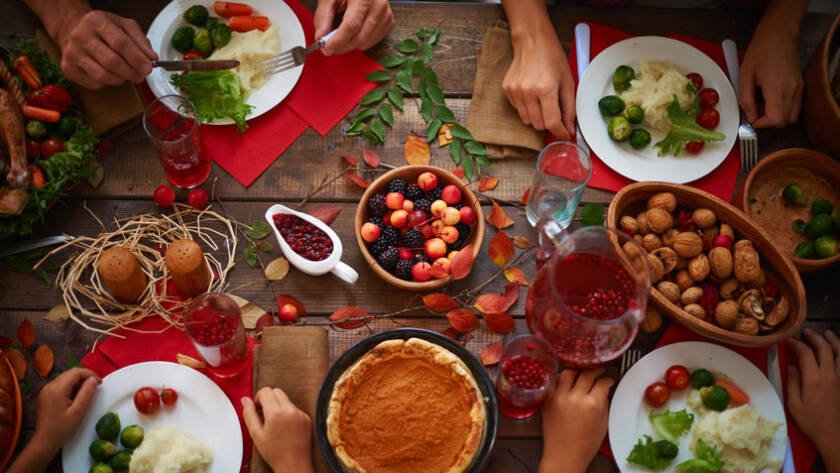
[(498, 218), (350, 159), (416, 150), (498, 303), (43, 360), (18, 360), (500, 323), (487, 183), (500, 249), (445, 135), (458, 172), (26, 333), (326, 213), (356, 179), (457, 337), (525, 196), (462, 320), (358, 316), (439, 302), (521, 242), (516, 275), (371, 157), (491, 354), (265, 320), (462, 263)]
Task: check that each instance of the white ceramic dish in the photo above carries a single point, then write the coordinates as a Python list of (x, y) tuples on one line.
[(203, 411), (275, 89), (646, 164), (629, 413), (331, 264)]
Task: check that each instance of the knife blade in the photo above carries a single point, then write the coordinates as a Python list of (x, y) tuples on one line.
[(774, 375), (213, 65), (582, 36), (33, 244)]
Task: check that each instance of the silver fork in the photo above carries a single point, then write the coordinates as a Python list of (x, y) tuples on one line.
[(293, 57), (628, 359), (747, 137)]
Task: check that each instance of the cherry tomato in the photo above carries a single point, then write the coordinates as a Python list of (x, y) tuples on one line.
[(164, 196), (677, 377), (694, 147), (192, 55), (33, 148), (168, 396), (657, 394), (695, 79), (198, 198), (147, 401), (50, 147), (708, 118), (709, 97)]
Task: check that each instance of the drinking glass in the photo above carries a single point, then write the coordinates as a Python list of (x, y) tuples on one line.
[(563, 170), (171, 123), (214, 324), (526, 371)]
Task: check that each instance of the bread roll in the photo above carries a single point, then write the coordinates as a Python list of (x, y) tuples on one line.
[(188, 268), (122, 273)]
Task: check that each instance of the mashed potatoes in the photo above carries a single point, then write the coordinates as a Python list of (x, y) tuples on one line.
[(169, 450), (654, 88), (250, 48)]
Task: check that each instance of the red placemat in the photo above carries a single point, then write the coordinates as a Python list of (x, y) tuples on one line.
[(720, 182)]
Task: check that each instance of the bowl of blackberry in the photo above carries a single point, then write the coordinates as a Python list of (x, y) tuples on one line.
[(412, 220)]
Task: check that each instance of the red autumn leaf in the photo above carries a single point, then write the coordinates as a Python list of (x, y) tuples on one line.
[(525, 196), (462, 320), (265, 320), (497, 303), (5, 341), (326, 213), (516, 275), (350, 312), (43, 360), (350, 160), (371, 157), (487, 183), (458, 337), (417, 150), (458, 172), (521, 242), (26, 333), (500, 323), (498, 218), (439, 302), (356, 179), (500, 249), (462, 263), (284, 299), (491, 354)]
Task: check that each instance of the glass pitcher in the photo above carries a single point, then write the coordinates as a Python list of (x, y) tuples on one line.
[(590, 293)]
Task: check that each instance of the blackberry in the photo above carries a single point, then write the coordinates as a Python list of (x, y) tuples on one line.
[(389, 235), (434, 194), (377, 247), (423, 204), (376, 205), (389, 258), (403, 269), (414, 192), (413, 239), (463, 235), (398, 185), (376, 220)]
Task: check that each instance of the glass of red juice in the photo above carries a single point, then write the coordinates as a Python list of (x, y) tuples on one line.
[(214, 324), (526, 371), (171, 123)]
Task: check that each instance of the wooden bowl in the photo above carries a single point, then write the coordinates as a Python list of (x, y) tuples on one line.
[(409, 174), (796, 164), (6, 455), (822, 112), (632, 199)]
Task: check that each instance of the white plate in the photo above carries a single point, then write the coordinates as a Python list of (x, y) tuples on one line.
[(645, 164), (202, 411), (629, 413), (275, 89)]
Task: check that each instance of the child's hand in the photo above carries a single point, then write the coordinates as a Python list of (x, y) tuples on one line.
[(62, 404), (574, 420), (282, 433)]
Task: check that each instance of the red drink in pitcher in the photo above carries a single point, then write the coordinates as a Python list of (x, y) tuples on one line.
[(172, 125), (214, 324)]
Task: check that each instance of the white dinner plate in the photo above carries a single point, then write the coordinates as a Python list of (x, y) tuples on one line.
[(646, 164), (275, 88), (202, 411), (629, 413)]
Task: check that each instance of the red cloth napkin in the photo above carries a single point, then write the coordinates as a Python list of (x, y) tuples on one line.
[(804, 451), (115, 353), (720, 182)]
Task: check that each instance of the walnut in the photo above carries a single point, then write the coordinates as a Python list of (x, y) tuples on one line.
[(747, 263), (720, 262), (638, 239), (688, 244), (742, 244), (667, 257), (699, 268), (632, 251), (652, 321), (659, 220), (747, 326), (682, 263), (703, 218), (695, 310), (729, 289), (762, 277), (725, 229), (670, 290), (651, 242), (641, 219), (629, 225), (669, 236), (726, 313), (751, 304), (657, 270), (683, 280), (663, 200), (779, 313), (691, 295)]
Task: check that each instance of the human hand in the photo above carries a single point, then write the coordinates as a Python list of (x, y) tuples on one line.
[(282, 433), (574, 419), (62, 404), (365, 23)]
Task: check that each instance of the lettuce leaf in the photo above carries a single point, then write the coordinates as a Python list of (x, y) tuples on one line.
[(644, 454), (671, 425), (706, 460), (684, 129), (215, 94)]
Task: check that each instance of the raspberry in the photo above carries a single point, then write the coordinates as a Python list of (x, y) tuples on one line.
[(423, 204), (413, 239), (376, 205), (414, 193), (389, 235), (403, 269), (398, 185), (389, 258)]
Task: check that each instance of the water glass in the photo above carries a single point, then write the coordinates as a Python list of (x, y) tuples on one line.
[(171, 123), (214, 324), (526, 372), (563, 170)]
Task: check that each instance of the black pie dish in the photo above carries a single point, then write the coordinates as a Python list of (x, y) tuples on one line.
[(346, 360)]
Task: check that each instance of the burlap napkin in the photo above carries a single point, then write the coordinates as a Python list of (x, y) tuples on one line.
[(492, 119), (294, 359)]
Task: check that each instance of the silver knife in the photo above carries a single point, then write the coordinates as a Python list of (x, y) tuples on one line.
[(213, 65), (774, 374), (582, 35), (25, 246)]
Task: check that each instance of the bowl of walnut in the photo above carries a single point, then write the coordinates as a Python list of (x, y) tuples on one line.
[(712, 269)]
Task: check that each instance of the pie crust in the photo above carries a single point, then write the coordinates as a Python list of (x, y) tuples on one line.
[(406, 406)]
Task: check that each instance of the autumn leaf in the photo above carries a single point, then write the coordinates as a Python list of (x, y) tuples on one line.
[(43, 360), (491, 354), (190, 362), (284, 299), (445, 135), (498, 218), (350, 160), (26, 333), (462, 320), (462, 263), (57, 313), (500, 249), (18, 361), (500, 323), (497, 303), (326, 213), (525, 196), (439, 302), (265, 320), (458, 173), (487, 183), (356, 179), (371, 157), (350, 312), (277, 269), (516, 275), (521, 242), (5, 341), (416, 150), (458, 337)]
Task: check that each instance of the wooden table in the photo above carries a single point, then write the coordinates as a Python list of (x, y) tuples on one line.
[(132, 173)]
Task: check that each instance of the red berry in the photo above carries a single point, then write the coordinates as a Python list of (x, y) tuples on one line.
[(525, 372), (198, 198), (288, 313), (164, 196)]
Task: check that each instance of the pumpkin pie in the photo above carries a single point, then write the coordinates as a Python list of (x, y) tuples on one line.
[(406, 406)]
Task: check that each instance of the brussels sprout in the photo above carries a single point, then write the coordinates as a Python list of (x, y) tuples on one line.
[(610, 105), (182, 39), (66, 126), (665, 449), (202, 42), (799, 226), (794, 194), (196, 15), (108, 426), (220, 35), (213, 22), (131, 436), (804, 250), (121, 461), (102, 450), (36, 129), (101, 468), (819, 226), (635, 114), (622, 77), (822, 206), (639, 138), (619, 128), (715, 397), (702, 378), (825, 246)]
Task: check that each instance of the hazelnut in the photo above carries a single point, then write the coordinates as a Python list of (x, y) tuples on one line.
[(663, 200), (669, 236), (703, 218), (682, 263), (729, 288), (669, 290), (747, 326), (657, 269), (720, 262), (652, 321), (726, 314), (651, 242), (691, 295), (688, 244), (699, 268), (779, 313), (696, 311), (641, 219), (659, 220), (667, 257), (725, 229), (629, 225), (683, 280)]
